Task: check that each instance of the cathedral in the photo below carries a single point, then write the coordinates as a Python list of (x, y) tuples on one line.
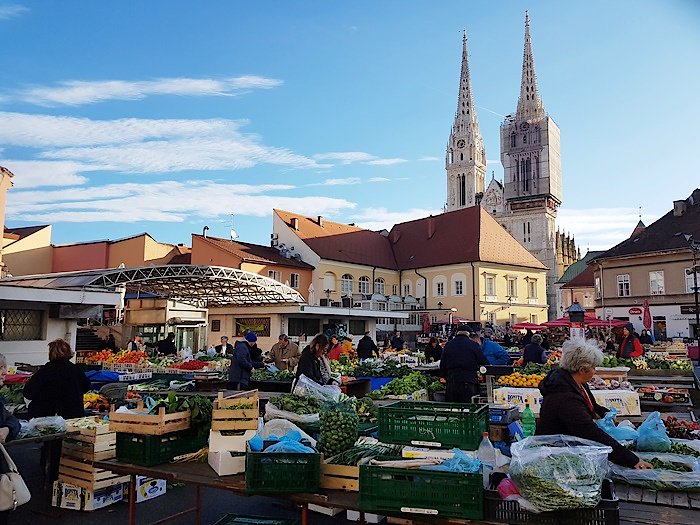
[(526, 202)]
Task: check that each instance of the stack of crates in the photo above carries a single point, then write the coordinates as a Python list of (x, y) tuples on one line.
[(234, 422), (76, 473), (439, 427)]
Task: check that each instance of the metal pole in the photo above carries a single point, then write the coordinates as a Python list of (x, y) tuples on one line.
[(695, 287)]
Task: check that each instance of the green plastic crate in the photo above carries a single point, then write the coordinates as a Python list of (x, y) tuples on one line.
[(281, 471), (236, 519), (149, 451), (431, 424), (421, 492)]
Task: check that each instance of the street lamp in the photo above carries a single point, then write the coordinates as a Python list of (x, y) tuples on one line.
[(576, 317), (695, 247), (439, 305)]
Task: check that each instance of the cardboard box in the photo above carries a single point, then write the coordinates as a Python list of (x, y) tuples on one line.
[(519, 397), (418, 395), (147, 488), (66, 496), (221, 443), (354, 515), (328, 511), (225, 464), (625, 402)]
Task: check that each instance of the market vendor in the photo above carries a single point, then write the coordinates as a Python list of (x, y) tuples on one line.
[(242, 363), (284, 354), (461, 360), (9, 424), (312, 363), (433, 351), (336, 349), (629, 345), (568, 406), (494, 352)]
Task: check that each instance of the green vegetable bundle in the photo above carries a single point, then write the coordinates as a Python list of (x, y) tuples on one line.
[(297, 404), (407, 385), (367, 411), (262, 374), (376, 368), (201, 409), (364, 451), (338, 428)]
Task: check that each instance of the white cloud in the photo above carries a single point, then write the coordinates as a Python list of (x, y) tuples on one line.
[(12, 11), (168, 201), (34, 174), (600, 228), (378, 179), (338, 182), (429, 159), (385, 162), (77, 92), (380, 218), (349, 157)]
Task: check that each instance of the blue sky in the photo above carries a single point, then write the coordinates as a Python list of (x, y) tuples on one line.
[(123, 117)]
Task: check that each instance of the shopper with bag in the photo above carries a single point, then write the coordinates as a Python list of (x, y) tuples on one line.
[(10, 480)]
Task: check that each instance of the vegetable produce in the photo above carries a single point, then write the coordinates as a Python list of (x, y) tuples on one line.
[(367, 411), (521, 380), (95, 401), (194, 364), (344, 369), (200, 407), (406, 385), (681, 429), (534, 369), (261, 374), (87, 423), (13, 394), (362, 452), (375, 368), (684, 450), (297, 404), (338, 428)]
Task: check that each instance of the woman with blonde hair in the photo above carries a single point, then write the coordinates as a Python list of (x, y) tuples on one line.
[(57, 388)]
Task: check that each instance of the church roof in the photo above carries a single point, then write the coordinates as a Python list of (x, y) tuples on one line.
[(341, 242), (254, 253), (640, 227), (578, 267), (460, 236), (666, 234)]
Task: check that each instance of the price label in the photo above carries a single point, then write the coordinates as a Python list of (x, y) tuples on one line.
[(413, 510), (426, 443)]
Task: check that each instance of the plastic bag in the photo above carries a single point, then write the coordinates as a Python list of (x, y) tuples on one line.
[(559, 472), (509, 492), (280, 427), (42, 426), (460, 462), (309, 387), (621, 432), (272, 412), (661, 479), (652, 435), (289, 446)]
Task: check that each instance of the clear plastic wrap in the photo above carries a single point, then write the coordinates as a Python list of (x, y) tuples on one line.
[(659, 478), (272, 412), (559, 472), (652, 435), (309, 387), (41, 426), (280, 427), (621, 432)]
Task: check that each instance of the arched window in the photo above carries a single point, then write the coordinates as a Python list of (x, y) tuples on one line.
[(346, 284), (329, 282), (363, 285), (379, 286)]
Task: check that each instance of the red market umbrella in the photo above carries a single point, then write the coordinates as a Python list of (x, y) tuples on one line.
[(602, 323), (647, 315), (562, 322), (527, 326)]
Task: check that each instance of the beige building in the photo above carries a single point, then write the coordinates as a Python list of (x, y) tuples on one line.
[(655, 265), (460, 263)]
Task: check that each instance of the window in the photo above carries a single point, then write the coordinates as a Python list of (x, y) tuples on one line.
[(329, 282), (490, 286), (533, 318), (273, 274), (513, 319), (526, 232), (440, 289), (587, 301), (216, 325), (690, 280), (656, 282), (512, 287), (433, 319), (459, 288), (597, 288), (394, 289), (357, 326), (346, 284), (406, 290), (363, 285), (379, 286), (294, 280), (512, 140), (21, 325), (491, 317), (532, 289), (623, 285), (303, 325)]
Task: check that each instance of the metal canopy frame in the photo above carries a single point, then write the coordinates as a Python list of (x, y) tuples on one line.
[(198, 285)]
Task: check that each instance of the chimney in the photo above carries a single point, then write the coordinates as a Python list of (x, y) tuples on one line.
[(431, 227), (295, 223), (320, 221), (679, 208)]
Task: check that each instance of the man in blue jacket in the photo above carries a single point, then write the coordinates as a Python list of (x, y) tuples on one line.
[(494, 352), (460, 363), (241, 362)]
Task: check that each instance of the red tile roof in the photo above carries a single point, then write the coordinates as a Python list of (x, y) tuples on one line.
[(585, 279), (466, 235), (254, 252), (341, 242)]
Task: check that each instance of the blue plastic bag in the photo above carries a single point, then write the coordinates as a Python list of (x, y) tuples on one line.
[(289, 446), (652, 435), (620, 433), (460, 462)]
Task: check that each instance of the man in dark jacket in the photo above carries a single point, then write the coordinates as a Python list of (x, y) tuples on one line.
[(225, 348), (568, 406), (167, 346), (461, 360), (241, 363), (397, 341), (366, 348)]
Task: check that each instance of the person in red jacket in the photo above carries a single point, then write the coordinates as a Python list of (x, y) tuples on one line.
[(630, 345), (336, 349)]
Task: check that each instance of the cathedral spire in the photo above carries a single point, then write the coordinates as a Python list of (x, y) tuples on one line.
[(529, 103), (466, 121)]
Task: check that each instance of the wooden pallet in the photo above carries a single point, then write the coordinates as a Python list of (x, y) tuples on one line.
[(340, 477), (227, 414), (149, 424), (83, 474)]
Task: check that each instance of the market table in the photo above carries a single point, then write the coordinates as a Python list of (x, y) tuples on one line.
[(201, 475)]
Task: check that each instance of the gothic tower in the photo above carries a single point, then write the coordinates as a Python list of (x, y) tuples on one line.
[(530, 154), (465, 158)]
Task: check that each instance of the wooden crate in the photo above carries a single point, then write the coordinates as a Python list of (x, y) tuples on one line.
[(148, 424), (340, 477), (83, 474), (95, 444), (227, 414)]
